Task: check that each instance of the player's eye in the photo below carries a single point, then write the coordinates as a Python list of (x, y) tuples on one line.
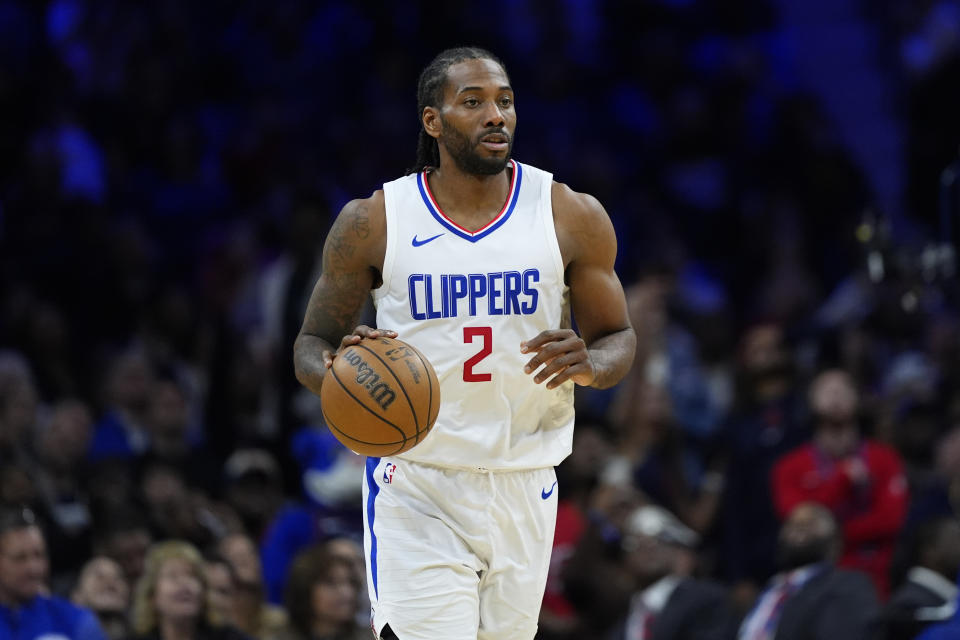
[(471, 102), (506, 101)]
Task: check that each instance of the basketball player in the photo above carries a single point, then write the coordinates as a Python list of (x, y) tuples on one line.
[(475, 259)]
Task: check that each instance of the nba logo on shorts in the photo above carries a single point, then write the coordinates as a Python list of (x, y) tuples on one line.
[(388, 472)]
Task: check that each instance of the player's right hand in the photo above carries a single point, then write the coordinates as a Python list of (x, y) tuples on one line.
[(361, 332)]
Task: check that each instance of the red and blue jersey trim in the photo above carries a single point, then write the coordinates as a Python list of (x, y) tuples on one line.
[(431, 203)]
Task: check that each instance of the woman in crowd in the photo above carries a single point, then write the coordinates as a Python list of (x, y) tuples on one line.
[(322, 596), (170, 601), (104, 589), (252, 614)]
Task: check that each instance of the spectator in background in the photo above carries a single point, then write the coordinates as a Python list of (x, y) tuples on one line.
[(61, 447), (170, 600), (595, 580), (321, 598), (284, 289), (668, 352), (934, 500), (124, 536), (26, 611), (113, 488), (950, 629), (167, 499), (651, 455), (254, 488), (766, 422), (352, 551), (252, 614), (668, 604), (221, 590), (332, 505), (861, 481), (577, 478), (180, 511), (104, 589), (810, 599), (929, 594), (18, 408), (44, 335), (172, 333), (17, 487), (121, 432), (18, 419), (169, 441), (916, 428)]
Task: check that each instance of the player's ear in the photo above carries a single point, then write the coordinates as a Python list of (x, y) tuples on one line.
[(431, 122)]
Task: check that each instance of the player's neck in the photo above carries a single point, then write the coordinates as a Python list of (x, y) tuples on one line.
[(468, 199)]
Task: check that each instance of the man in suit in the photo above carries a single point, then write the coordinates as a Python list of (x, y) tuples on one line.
[(929, 594), (667, 603), (810, 599)]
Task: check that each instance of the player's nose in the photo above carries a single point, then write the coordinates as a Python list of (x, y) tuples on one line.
[(494, 116)]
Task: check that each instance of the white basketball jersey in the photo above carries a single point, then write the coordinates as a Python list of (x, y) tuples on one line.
[(467, 299)]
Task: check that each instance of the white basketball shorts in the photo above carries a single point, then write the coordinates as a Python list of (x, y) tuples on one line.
[(457, 555)]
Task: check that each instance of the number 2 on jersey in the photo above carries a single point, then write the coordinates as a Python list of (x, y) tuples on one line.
[(469, 333)]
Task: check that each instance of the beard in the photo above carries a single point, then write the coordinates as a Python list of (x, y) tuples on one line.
[(794, 556), (463, 151)]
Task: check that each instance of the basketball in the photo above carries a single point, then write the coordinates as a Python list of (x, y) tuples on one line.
[(380, 397)]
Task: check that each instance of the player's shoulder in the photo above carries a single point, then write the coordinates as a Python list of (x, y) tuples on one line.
[(364, 216), (580, 215), (358, 235), (567, 202), (583, 228), (373, 205)]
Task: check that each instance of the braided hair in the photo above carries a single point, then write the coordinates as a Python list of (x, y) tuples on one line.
[(430, 94)]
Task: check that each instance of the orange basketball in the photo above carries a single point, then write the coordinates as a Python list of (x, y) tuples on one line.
[(380, 397)]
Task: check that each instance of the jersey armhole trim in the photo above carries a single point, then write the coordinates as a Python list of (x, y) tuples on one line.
[(549, 225)]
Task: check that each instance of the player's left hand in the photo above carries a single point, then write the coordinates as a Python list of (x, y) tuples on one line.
[(564, 355)]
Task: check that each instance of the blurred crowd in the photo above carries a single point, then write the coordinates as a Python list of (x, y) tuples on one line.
[(790, 431)]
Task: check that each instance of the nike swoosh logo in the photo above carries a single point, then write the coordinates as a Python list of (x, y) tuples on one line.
[(546, 494), (418, 243)]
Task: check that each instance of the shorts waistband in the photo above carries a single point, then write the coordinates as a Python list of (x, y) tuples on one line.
[(477, 469)]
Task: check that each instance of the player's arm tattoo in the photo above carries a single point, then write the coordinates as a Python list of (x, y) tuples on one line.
[(345, 282), (339, 295)]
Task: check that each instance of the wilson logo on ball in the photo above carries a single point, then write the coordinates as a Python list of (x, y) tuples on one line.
[(380, 391), (367, 378)]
